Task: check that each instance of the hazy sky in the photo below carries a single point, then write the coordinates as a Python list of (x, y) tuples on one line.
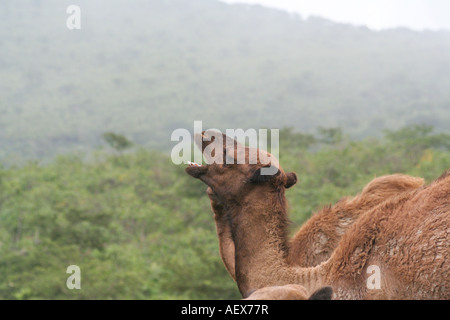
[(376, 14)]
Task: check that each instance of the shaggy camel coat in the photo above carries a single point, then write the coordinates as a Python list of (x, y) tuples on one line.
[(320, 235)]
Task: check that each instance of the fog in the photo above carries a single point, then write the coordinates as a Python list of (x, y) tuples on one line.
[(375, 14), (145, 68)]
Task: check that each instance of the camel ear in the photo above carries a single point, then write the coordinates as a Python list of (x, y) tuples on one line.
[(324, 293), (260, 178), (291, 180)]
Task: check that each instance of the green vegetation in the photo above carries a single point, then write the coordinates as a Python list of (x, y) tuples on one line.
[(117, 141), (140, 228), (143, 68)]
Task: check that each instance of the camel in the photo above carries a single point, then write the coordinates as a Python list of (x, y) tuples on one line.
[(320, 235), (405, 237), (290, 292)]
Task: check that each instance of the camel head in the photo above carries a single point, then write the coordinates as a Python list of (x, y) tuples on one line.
[(233, 171)]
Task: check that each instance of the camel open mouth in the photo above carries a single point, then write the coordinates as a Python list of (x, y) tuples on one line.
[(193, 164), (196, 170), (202, 141)]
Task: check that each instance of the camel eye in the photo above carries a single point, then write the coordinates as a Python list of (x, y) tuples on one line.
[(259, 178)]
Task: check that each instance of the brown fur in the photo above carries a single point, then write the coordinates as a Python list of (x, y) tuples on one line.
[(406, 236), (320, 235), (287, 292), (226, 244), (290, 292)]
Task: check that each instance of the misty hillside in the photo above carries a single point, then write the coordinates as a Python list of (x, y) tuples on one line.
[(145, 68)]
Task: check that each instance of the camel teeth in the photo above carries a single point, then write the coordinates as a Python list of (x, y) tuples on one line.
[(193, 164)]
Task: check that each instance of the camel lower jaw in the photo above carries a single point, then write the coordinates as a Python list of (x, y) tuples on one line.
[(196, 170)]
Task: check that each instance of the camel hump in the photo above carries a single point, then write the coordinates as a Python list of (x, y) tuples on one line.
[(389, 185)]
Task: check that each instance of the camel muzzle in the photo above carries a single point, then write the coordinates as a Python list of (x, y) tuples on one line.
[(196, 170)]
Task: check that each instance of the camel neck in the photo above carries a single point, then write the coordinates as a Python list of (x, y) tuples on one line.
[(260, 236)]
